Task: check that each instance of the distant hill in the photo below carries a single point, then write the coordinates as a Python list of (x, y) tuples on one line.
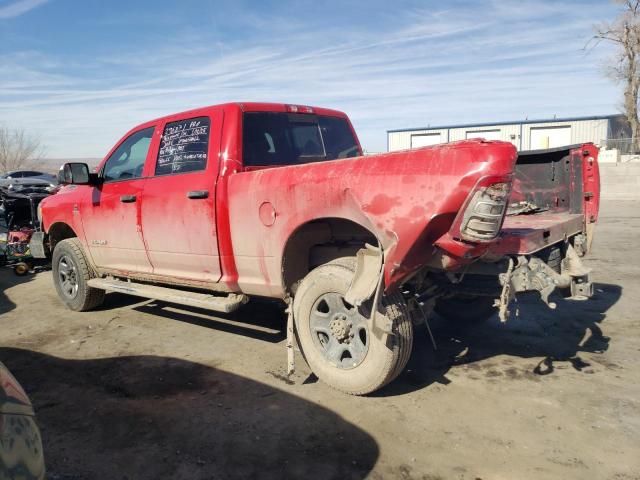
[(52, 165)]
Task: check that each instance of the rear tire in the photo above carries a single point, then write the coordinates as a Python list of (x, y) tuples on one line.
[(336, 338), (465, 309), (71, 272)]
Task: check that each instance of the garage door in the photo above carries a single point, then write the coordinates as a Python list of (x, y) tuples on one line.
[(486, 134), (550, 137), (425, 139)]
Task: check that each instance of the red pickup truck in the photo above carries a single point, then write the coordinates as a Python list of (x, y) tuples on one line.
[(211, 206)]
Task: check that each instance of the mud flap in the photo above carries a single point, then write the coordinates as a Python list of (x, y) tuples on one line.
[(368, 282), (367, 276), (37, 246)]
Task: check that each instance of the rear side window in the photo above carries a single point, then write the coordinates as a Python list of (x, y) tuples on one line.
[(271, 138), (184, 146)]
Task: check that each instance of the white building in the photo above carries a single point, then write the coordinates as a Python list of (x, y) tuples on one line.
[(525, 135)]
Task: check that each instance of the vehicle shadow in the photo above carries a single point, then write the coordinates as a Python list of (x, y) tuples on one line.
[(8, 279), (558, 335), (148, 417), (533, 331), (261, 319)]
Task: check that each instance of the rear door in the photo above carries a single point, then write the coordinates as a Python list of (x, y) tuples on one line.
[(178, 210)]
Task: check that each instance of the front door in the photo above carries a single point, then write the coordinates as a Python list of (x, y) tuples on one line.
[(178, 210), (111, 219)]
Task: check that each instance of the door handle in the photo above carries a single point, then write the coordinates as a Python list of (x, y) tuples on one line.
[(195, 194), (128, 198)]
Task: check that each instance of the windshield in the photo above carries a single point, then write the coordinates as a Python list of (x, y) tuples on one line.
[(271, 138)]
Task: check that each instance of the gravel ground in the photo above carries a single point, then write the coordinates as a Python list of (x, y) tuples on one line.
[(145, 390)]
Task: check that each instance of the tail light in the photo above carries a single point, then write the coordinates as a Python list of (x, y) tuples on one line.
[(484, 212)]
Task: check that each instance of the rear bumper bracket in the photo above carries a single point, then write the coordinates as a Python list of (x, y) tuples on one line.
[(533, 274)]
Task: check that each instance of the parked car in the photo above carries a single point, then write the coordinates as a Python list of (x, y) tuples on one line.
[(26, 181), (211, 206), (21, 453), (29, 174), (18, 222)]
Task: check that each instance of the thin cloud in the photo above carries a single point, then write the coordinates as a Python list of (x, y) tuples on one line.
[(20, 7), (489, 63)]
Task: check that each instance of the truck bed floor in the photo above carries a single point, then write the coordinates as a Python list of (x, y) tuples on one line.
[(526, 234)]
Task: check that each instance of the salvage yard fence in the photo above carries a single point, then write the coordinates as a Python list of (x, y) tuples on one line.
[(624, 145)]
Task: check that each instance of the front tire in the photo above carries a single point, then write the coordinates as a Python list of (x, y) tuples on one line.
[(336, 338), (71, 272)]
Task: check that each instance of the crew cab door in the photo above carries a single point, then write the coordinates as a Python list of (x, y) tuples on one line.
[(178, 210), (111, 213)]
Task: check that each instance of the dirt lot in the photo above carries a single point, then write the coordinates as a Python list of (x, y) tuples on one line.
[(144, 390)]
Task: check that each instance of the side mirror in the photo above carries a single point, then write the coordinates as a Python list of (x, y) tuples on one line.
[(74, 174)]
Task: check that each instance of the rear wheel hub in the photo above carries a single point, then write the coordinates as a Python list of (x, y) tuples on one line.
[(340, 331)]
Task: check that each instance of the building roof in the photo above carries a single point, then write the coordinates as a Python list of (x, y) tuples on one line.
[(517, 122)]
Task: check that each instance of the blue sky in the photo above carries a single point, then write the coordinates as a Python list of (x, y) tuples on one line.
[(79, 73)]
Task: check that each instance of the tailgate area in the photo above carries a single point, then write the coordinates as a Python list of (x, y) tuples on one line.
[(549, 223), (527, 234), (552, 200)]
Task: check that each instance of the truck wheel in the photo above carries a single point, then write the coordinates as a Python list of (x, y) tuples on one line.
[(336, 338), (465, 309), (71, 272)]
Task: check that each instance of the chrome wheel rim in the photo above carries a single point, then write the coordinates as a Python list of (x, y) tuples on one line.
[(68, 276), (339, 331)]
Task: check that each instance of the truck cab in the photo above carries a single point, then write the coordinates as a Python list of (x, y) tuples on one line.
[(158, 186)]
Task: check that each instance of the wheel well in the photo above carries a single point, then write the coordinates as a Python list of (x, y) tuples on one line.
[(318, 242), (59, 232)]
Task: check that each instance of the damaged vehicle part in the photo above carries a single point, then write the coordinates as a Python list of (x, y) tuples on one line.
[(533, 274), (548, 227), (19, 222)]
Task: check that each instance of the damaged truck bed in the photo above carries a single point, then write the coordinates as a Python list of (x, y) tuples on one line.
[(547, 228), (212, 206)]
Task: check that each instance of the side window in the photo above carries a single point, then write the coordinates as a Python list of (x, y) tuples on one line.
[(127, 161), (184, 146)]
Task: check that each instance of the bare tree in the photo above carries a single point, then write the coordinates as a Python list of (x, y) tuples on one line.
[(624, 32), (18, 149)]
